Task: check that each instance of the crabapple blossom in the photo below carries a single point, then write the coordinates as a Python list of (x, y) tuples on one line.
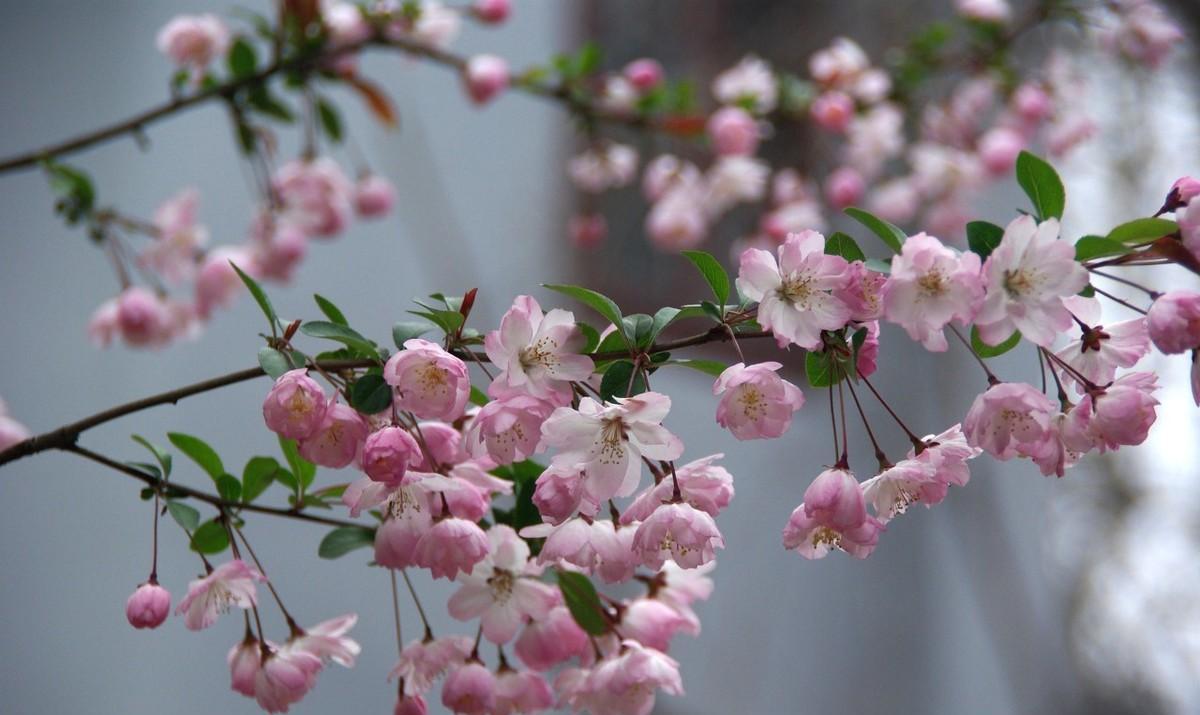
[(868, 352), (424, 661), (430, 382), (296, 405), (587, 230), (177, 240), (217, 283), (677, 220), (1182, 192), (194, 41), (492, 12), (521, 692), (929, 286), (607, 441), (1140, 31), (813, 540), (628, 681), (792, 294), (244, 660), (999, 148), (603, 167), (1101, 349), (143, 318), (733, 131), (11, 431), (984, 10), (644, 74), (284, 678), (863, 292), (410, 705), (338, 439), (833, 110), (749, 83), (450, 546), (553, 639), (502, 590), (276, 248), (374, 196), (470, 689), (558, 494), (316, 196), (396, 539), (666, 172), (388, 453), (228, 585), (651, 623), (679, 532), (1189, 227), (844, 187), (148, 606), (731, 180), (486, 76), (328, 641), (1174, 321), (509, 430), (755, 402), (1009, 419), (537, 353), (1118, 414), (1026, 278)]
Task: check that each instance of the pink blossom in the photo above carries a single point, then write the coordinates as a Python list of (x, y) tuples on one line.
[(397, 538), (666, 172), (502, 590), (1009, 419), (509, 430), (422, 662), (452, 545), (537, 353), (896, 200), (838, 64), (844, 187), (1066, 443), (1119, 414), (411, 705), (929, 286), (607, 441), (545, 643), (316, 196), (1140, 31), (486, 76), (1174, 321), (629, 680), (430, 382), (997, 11), (587, 230), (1189, 227), (651, 623), (217, 283), (230, 584), (833, 110), (813, 540), (284, 678), (345, 24), (679, 532), (12, 432), (1026, 278), (998, 150), (755, 402), (436, 25), (603, 167), (492, 12), (521, 692), (558, 493), (193, 41), (1069, 129), (749, 83), (733, 131), (1031, 102), (793, 297), (443, 444), (374, 196), (946, 455), (863, 292), (576, 541), (730, 180), (470, 690), (677, 221), (276, 248), (173, 252), (874, 137), (923, 477), (388, 453), (102, 326), (835, 498), (338, 439), (245, 660), (1101, 349), (868, 354), (702, 483), (1196, 376), (142, 318), (148, 606), (296, 405), (644, 74), (1183, 191)]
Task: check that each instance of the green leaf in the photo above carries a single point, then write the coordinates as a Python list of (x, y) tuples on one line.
[(478, 397), (370, 394), (163, 457), (273, 362), (591, 337), (288, 480), (890, 234), (713, 272), (984, 350), (184, 515), (74, 189), (1089, 247), (265, 103), (819, 368), (879, 266), (839, 244), (229, 487), (983, 237), (583, 602), (330, 310), (1042, 185), (614, 341), (257, 476), (260, 297), (199, 452), (331, 120), (708, 367), (616, 381), (662, 318), (243, 60), (1143, 230), (448, 320), (210, 538), (303, 470), (638, 325), (602, 304), (342, 334), (343, 540), (407, 330)]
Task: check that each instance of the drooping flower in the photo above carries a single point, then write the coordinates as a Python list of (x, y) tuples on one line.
[(555, 638), (178, 240), (929, 286), (486, 76), (337, 440), (832, 516), (702, 483), (296, 405), (148, 605), (603, 167), (316, 196), (244, 661), (194, 41), (1101, 349), (1174, 321), (510, 429), (755, 402), (1009, 419), (450, 546), (388, 453), (424, 661), (537, 353), (470, 690), (652, 623), (678, 532), (1119, 414), (793, 294), (230, 584), (558, 494), (749, 83), (430, 382), (521, 692), (374, 195)]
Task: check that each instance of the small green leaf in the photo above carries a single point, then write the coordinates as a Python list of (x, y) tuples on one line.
[(1089, 247), (878, 265), (257, 476), (199, 452), (583, 602), (260, 297), (163, 457), (330, 310), (261, 99), (74, 189), (1042, 185), (342, 334), (343, 540), (891, 235), (617, 381), (818, 366), (602, 304), (713, 272), (407, 330), (613, 342), (210, 538), (478, 397), (983, 237), (839, 244), (370, 394), (448, 320), (331, 120), (662, 318), (184, 515), (638, 325), (1143, 230), (273, 362), (591, 337), (303, 470), (229, 487), (708, 367), (243, 60), (984, 350)]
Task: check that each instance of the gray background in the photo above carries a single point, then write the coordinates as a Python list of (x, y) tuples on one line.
[(954, 613)]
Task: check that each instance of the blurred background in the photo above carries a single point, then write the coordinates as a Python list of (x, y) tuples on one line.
[(1017, 595)]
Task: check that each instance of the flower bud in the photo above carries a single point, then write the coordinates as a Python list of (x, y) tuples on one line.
[(374, 196), (733, 131), (486, 76), (644, 74), (148, 606)]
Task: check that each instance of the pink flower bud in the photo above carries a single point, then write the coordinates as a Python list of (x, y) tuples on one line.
[(733, 131), (833, 110), (492, 11), (396, 542), (411, 705), (245, 660), (374, 196), (644, 74), (1032, 103), (452, 545), (148, 606), (1174, 321), (652, 623), (470, 690), (295, 406), (546, 643), (486, 76), (388, 453), (998, 149), (835, 499), (338, 438), (557, 493), (430, 382), (996, 11), (193, 41), (277, 255), (587, 230), (844, 187), (217, 284)]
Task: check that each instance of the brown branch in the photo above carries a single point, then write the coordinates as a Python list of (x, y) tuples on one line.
[(221, 504)]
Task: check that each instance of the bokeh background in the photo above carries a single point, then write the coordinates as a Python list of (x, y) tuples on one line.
[(1017, 595)]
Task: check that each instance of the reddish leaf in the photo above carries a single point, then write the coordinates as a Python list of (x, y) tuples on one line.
[(379, 103)]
